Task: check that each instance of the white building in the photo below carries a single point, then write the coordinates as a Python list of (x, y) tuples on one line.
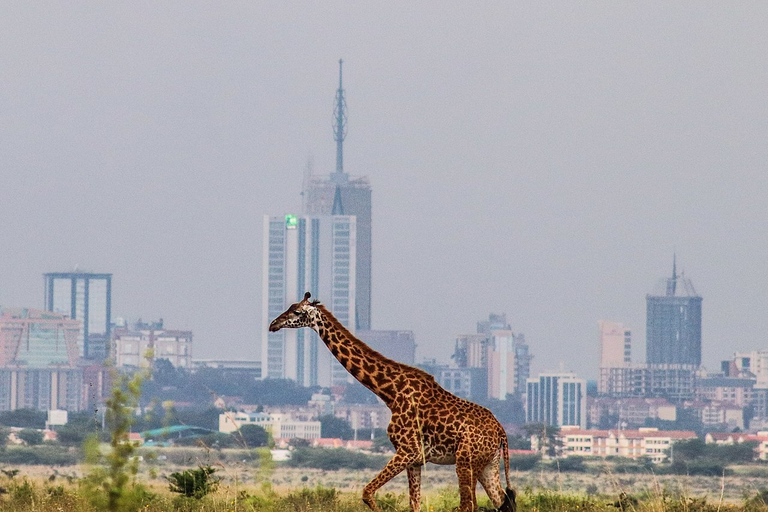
[(501, 364), (557, 399), (280, 426), (652, 443), (315, 254)]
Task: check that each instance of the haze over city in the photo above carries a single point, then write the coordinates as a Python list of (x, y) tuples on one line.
[(539, 161)]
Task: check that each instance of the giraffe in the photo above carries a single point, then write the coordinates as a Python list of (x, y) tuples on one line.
[(428, 423)]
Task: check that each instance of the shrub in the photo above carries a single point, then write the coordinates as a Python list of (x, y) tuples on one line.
[(39, 455), (213, 440), (30, 436), (193, 483), (336, 458), (571, 464), (523, 462)]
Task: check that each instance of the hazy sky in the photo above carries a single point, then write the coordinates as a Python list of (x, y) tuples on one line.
[(541, 160)]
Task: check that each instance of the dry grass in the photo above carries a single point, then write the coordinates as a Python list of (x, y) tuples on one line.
[(245, 487)]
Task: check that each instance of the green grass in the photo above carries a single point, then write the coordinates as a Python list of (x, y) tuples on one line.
[(22, 494)]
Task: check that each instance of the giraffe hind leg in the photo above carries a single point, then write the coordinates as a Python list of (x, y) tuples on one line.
[(503, 500)]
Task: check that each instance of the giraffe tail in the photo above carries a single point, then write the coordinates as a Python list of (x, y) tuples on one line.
[(505, 456), (509, 504)]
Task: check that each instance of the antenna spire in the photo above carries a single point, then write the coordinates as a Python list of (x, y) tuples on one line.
[(672, 283), (340, 126)]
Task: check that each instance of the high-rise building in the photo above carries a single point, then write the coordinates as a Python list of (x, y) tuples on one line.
[(615, 349), (501, 364), (557, 399), (673, 323), (85, 297), (615, 344), (342, 194), (501, 353), (315, 254), (38, 361)]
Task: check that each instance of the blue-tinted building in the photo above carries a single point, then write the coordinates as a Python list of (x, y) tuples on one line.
[(673, 324), (85, 297), (315, 254)]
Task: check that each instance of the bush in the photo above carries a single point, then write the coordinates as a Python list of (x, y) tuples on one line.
[(30, 436), (193, 483), (23, 418), (700, 467), (39, 455), (523, 462), (213, 440), (572, 464), (336, 458)]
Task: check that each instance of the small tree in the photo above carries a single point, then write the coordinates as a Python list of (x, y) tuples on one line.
[(331, 426), (546, 436), (30, 436), (193, 483), (254, 436), (121, 465)]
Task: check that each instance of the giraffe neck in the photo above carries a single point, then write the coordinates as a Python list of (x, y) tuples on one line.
[(366, 365)]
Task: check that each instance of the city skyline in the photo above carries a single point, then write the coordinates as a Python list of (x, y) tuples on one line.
[(545, 163)]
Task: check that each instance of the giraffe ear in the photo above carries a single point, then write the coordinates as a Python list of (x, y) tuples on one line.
[(307, 296)]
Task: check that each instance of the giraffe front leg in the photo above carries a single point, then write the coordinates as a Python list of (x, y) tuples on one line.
[(414, 487), (394, 467)]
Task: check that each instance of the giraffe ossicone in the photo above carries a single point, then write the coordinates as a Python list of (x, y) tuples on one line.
[(429, 424)]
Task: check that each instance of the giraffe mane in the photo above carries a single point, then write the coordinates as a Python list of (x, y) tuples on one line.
[(337, 324)]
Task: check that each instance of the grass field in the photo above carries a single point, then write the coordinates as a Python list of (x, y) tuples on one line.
[(246, 487)]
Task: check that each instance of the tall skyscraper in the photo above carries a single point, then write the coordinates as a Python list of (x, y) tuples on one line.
[(315, 254), (673, 323), (557, 399), (342, 194), (85, 297)]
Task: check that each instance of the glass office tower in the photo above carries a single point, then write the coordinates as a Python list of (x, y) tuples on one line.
[(85, 297)]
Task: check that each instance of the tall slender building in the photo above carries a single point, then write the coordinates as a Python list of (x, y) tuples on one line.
[(615, 351), (85, 297), (306, 253), (342, 194), (673, 323)]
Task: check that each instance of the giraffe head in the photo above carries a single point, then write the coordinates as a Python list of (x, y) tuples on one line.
[(298, 315)]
